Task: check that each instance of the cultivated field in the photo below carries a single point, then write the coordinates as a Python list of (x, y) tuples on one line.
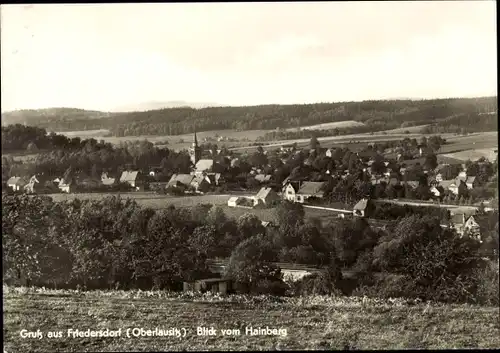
[(322, 323)]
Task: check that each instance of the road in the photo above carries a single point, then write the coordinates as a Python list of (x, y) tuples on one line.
[(416, 203)]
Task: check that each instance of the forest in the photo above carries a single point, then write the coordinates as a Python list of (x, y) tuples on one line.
[(378, 115)]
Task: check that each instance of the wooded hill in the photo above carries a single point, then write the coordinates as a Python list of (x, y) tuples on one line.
[(379, 115)]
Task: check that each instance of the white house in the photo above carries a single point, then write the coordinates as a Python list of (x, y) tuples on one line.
[(16, 183)]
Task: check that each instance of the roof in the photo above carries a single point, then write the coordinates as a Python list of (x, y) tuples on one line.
[(108, 181), (263, 177), (185, 179), (446, 183), (361, 205), (233, 199), (129, 176), (16, 181), (266, 224), (263, 193), (458, 218), (310, 188), (198, 179), (204, 164)]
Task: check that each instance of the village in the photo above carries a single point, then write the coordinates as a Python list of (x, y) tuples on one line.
[(404, 173)]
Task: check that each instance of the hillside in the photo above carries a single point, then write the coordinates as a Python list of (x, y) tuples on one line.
[(51, 118), (375, 115)]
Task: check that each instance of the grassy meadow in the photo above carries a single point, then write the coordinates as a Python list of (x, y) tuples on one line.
[(322, 323)]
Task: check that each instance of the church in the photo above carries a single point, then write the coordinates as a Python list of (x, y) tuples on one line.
[(203, 176), (201, 166)]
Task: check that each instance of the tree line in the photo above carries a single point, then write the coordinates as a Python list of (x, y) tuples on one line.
[(114, 243), (174, 121)]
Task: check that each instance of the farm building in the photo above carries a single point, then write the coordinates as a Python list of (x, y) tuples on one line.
[(309, 189), (16, 183), (132, 178), (266, 197), (214, 285)]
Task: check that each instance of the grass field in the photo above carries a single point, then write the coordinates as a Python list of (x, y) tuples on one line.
[(322, 323), (149, 199), (156, 201)]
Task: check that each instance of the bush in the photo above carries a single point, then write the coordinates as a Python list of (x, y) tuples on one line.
[(488, 286), (326, 282)]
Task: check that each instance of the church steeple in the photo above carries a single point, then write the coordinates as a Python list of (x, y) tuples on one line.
[(195, 151), (195, 141)]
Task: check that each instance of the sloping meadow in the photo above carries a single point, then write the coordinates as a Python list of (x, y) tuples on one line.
[(314, 322)]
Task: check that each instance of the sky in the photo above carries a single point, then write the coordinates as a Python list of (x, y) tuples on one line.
[(102, 56)]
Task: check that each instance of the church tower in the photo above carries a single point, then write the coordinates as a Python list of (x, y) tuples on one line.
[(195, 151)]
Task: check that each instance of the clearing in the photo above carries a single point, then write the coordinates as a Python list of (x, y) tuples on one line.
[(322, 323)]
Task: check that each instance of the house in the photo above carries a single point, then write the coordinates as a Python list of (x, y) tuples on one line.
[(66, 185), (201, 183), (289, 192), (263, 178), (362, 208), (16, 183), (435, 191), (35, 184), (214, 285), (132, 178), (329, 152), (233, 201), (453, 187), (462, 224), (309, 189), (471, 182), (266, 197), (108, 181), (180, 181)]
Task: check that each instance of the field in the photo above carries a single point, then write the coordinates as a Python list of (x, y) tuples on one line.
[(322, 323), (156, 201), (176, 142), (474, 155), (149, 199), (327, 126)]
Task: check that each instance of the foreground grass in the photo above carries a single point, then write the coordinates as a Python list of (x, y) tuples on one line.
[(311, 323)]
